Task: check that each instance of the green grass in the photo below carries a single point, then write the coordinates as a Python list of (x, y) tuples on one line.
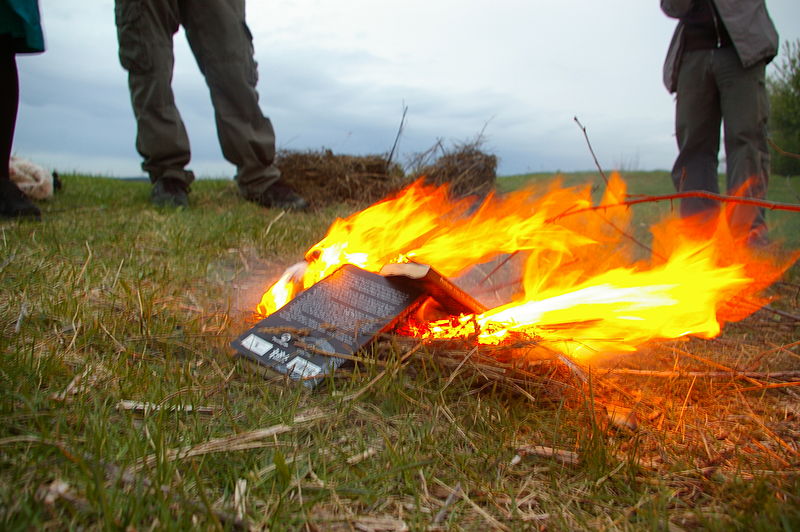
[(109, 299)]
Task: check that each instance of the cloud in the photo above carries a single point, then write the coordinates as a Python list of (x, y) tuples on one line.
[(337, 75)]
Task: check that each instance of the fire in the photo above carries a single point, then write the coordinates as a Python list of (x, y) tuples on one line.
[(581, 290), (614, 311)]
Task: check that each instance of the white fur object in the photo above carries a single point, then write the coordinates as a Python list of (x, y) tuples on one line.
[(33, 180)]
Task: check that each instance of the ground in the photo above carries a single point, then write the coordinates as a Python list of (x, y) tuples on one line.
[(122, 406)]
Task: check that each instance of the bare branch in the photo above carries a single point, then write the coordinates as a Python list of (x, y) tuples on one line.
[(586, 136), (771, 205)]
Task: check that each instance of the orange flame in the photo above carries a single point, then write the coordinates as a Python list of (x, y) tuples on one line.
[(581, 290)]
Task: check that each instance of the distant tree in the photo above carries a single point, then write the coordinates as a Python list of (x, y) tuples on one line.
[(784, 120)]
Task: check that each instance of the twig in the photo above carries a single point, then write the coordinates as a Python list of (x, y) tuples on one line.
[(782, 313), (240, 499), (360, 457), (396, 138), (354, 358), (147, 408), (607, 476), (763, 354), (88, 260), (769, 432), (713, 364), (771, 205), (679, 423), (380, 375), (560, 455), (493, 523), (458, 368), (632, 238), (781, 151), (497, 268), (590, 149), (23, 313), (704, 374), (253, 439), (272, 222), (451, 498), (766, 386)]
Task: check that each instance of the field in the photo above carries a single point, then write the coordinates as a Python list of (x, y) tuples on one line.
[(122, 407)]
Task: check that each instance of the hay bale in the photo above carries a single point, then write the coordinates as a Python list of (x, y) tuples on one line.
[(465, 168), (324, 178)]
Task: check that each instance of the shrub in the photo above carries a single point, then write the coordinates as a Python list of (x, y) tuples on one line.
[(784, 96)]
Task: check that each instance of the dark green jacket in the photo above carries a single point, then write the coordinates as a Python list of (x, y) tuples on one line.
[(20, 19)]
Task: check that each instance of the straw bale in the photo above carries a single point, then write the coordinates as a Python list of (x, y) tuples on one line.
[(323, 177), (467, 169)]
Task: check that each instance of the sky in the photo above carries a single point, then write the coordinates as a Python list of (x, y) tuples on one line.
[(338, 74)]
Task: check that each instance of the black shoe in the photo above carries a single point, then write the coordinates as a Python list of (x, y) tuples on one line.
[(15, 204), (168, 192), (280, 196), (57, 183)]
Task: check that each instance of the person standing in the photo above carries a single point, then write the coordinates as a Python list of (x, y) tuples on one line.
[(716, 66), (222, 45), (20, 32)]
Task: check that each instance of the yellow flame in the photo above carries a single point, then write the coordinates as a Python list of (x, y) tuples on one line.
[(581, 290)]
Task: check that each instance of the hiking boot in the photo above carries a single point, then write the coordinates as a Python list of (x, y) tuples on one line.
[(280, 196), (15, 204), (168, 192)]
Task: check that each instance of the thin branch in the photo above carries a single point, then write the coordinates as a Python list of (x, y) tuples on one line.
[(766, 386), (455, 493), (771, 205), (781, 151), (731, 371), (782, 313), (379, 376), (586, 136), (396, 138), (708, 374)]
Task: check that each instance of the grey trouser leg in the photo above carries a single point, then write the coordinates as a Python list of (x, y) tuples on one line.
[(144, 30), (222, 46), (745, 110), (713, 87)]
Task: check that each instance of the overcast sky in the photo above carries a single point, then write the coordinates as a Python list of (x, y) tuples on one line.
[(337, 74)]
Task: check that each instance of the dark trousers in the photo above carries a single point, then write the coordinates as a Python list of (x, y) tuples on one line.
[(222, 45), (9, 102), (714, 89)]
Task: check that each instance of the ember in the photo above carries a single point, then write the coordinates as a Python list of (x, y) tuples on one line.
[(579, 291)]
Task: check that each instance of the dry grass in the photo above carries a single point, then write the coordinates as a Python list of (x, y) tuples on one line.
[(465, 167), (325, 178)]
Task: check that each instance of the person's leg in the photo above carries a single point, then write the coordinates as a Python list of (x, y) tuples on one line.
[(697, 126), (13, 202), (222, 44), (745, 111), (145, 29)]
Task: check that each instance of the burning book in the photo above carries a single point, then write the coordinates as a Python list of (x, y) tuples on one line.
[(307, 338)]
